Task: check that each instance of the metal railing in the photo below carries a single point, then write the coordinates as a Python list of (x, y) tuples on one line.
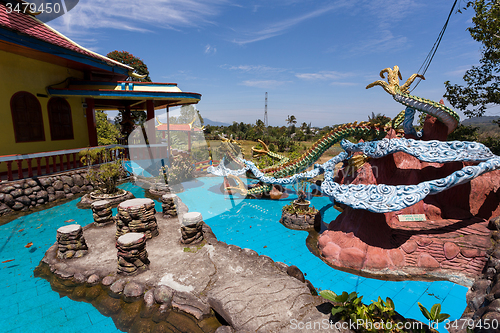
[(21, 166)]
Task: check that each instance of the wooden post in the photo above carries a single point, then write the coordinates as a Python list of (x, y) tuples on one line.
[(168, 138), (9, 170), (38, 166), (47, 164), (150, 115), (20, 169), (30, 169), (189, 141), (61, 163), (91, 124)]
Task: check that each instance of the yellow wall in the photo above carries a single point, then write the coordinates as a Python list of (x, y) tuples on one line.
[(18, 73)]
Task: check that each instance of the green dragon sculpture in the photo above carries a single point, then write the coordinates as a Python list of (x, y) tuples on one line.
[(286, 167)]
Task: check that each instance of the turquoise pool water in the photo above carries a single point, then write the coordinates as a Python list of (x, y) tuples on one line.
[(29, 304)]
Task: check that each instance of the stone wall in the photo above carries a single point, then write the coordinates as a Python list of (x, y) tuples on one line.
[(483, 298), (22, 195)]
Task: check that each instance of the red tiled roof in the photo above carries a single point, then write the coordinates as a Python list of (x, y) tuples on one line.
[(29, 25)]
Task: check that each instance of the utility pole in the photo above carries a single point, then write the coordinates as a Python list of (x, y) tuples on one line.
[(265, 117)]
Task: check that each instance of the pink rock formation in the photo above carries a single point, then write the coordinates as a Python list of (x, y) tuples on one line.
[(453, 240)]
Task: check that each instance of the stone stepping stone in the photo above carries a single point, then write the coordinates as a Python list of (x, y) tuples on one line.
[(137, 215), (101, 212), (100, 204), (70, 242), (132, 254), (168, 206), (191, 218), (131, 238), (192, 228), (135, 203), (70, 229), (169, 196)]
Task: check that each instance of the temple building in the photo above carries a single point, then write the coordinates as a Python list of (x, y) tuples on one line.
[(51, 87)]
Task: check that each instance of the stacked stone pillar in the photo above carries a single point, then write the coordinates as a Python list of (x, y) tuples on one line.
[(102, 212), (132, 254), (70, 242), (191, 230), (137, 215), (169, 205)]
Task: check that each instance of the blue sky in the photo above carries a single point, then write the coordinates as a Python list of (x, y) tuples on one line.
[(313, 57)]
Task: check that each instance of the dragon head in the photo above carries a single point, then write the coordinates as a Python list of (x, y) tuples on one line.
[(392, 85)]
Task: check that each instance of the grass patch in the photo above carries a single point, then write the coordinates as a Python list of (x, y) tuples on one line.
[(195, 248)]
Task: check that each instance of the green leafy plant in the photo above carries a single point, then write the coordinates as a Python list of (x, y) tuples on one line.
[(181, 169), (265, 161), (434, 315), (291, 209), (129, 59), (346, 306), (379, 316), (301, 188), (106, 176)]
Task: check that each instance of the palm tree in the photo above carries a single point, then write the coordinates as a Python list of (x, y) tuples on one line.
[(378, 119), (291, 120), (259, 126)]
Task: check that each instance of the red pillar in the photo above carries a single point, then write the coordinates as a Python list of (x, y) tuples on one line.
[(189, 141), (150, 114), (91, 125), (30, 170)]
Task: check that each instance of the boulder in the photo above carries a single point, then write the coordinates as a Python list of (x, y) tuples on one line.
[(77, 180), (9, 200), (42, 195), (67, 180), (58, 185), (45, 181), (31, 182), (16, 193), (7, 189), (24, 200), (75, 189), (17, 206)]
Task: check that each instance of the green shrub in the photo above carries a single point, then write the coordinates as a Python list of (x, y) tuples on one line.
[(106, 176), (181, 169), (379, 316)]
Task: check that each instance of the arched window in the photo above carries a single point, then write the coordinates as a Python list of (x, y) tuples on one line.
[(61, 125), (27, 117)]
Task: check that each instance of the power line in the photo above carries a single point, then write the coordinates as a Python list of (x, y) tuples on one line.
[(423, 69)]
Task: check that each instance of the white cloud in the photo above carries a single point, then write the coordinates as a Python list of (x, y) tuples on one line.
[(279, 28), (343, 84), (390, 11), (460, 71), (210, 49), (263, 83), (252, 68), (323, 75), (383, 42), (137, 15)]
